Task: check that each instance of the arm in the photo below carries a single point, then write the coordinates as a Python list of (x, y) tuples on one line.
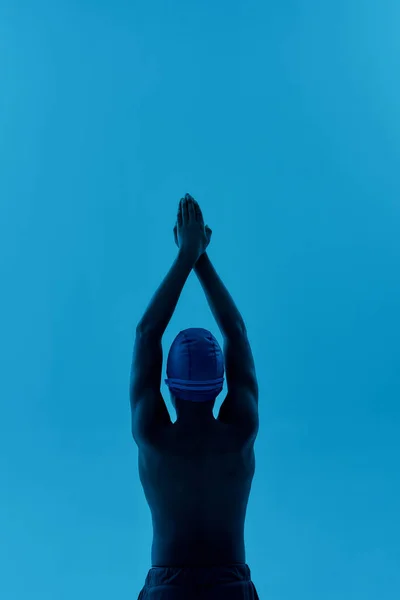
[(221, 303), (147, 404), (240, 407), (163, 304), (148, 408)]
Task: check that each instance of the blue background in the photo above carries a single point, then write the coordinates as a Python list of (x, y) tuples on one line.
[(282, 119)]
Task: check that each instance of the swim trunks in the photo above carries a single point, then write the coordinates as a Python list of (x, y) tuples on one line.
[(230, 582)]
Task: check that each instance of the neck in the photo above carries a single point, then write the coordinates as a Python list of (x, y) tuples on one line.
[(196, 412)]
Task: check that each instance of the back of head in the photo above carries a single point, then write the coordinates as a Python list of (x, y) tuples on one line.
[(195, 366)]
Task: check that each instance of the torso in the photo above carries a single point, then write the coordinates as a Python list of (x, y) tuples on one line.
[(197, 485)]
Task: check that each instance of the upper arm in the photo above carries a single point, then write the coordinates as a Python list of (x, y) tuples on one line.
[(148, 408), (240, 406)]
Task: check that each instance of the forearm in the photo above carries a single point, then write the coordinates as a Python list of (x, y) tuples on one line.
[(163, 304), (221, 302)]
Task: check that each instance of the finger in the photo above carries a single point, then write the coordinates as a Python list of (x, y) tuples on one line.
[(196, 205), (185, 209), (199, 214), (180, 212), (191, 211), (190, 199)]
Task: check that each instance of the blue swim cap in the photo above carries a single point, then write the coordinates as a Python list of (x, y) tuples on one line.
[(195, 366)]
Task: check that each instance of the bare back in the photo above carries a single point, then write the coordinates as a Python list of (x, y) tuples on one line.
[(197, 484)]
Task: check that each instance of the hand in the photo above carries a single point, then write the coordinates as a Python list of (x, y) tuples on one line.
[(190, 234)]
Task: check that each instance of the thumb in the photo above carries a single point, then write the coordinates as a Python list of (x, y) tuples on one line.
[(208, 232)]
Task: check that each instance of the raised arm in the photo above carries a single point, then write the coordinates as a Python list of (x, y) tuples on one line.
[(221, 303), (240, 407), (239, 363)]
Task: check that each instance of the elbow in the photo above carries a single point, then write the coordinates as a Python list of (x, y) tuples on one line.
[(141, 328), (145, 329), (235, 330)]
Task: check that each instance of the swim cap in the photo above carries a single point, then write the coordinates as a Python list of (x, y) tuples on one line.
[(195, 366)]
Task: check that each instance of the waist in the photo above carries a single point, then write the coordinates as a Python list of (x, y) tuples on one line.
[(199, 577), (197, 552)]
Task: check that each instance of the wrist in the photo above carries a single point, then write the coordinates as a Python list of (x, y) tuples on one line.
[(201, 260), (188, 256)]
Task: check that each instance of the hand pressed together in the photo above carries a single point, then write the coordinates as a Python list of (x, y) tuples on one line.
[(191, 236)]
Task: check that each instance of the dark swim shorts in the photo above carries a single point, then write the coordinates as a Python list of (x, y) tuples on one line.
[(232, 582)]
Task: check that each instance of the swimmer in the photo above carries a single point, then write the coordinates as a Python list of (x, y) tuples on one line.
[(196, 472)]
